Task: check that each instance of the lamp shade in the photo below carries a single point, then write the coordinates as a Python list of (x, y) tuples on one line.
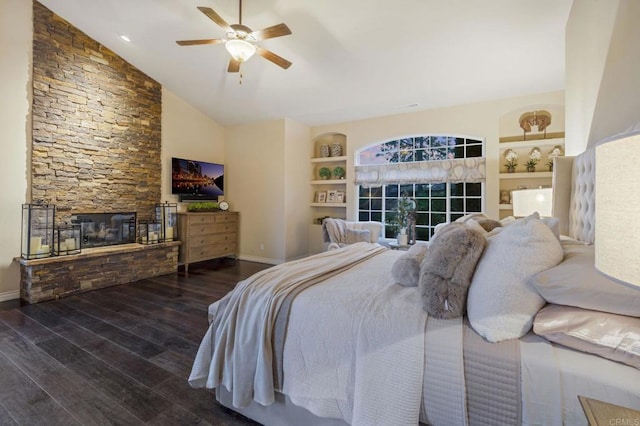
[(617, 186), (528, 201), (240, 50)]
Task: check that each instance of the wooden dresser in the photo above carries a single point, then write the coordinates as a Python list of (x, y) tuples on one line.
[(207, 236)]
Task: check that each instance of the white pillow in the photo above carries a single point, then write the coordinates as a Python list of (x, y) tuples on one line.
[(577, 282), (552, 222), (501, 302)]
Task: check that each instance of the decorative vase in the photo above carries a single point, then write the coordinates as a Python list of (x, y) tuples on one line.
[(403, 239), (511, 169), (324, 151), (336, 150), (531, 169)]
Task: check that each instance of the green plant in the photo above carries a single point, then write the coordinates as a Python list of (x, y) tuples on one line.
[(324, 173), (400, 219), (202, 206), (405, 207), (338, 172)]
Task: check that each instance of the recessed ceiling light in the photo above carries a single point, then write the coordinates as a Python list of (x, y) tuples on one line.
[(125, 38)]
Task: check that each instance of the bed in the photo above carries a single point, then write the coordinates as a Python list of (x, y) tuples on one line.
[(335, 340)]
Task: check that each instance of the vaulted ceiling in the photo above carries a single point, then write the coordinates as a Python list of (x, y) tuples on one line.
[(352, 59)]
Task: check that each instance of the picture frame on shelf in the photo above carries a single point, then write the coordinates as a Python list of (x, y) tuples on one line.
[(340, 197), (332, 196), (505, 197), (321, 197)]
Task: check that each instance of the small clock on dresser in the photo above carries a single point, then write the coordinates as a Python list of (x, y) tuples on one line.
[(223, 205)]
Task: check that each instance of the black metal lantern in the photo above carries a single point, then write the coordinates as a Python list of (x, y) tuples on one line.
[(129, 230), (67, 239), (167, 215), (37, 230), (149, 232)]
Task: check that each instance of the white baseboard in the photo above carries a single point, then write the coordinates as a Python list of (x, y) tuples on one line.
[(260, 259), (9, 295)]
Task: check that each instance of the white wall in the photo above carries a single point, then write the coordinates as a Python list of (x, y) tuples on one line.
[(618, 105), (15, 86), (297, 213), (255, 169), (588, 35), (268, 181), (479, 120), (603, 69), (187, 133)]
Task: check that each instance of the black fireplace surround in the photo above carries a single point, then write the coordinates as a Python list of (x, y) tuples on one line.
[(106, 229)]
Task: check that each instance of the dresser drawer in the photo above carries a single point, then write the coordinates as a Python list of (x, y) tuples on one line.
[(217, 228), (203, 240), (197, 254), (203, 219), (226, 218)]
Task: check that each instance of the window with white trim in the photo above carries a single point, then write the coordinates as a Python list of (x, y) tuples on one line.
[(443, 174)]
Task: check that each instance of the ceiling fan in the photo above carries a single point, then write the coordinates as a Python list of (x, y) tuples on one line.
[(241, 41)]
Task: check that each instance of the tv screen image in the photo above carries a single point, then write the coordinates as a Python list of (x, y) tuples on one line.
[(197, 178)]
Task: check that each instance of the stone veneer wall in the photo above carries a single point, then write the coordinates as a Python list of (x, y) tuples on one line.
[(54, 277), (96, 124), (96, 148)]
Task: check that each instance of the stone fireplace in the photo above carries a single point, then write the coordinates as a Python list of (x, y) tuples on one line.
[(96, 147)]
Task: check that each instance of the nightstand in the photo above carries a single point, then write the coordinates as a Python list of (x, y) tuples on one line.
[(601, 413)]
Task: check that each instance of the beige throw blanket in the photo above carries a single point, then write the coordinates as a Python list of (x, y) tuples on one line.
[(238, 353)]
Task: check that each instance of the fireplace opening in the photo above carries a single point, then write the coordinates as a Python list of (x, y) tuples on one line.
[(106, 229)]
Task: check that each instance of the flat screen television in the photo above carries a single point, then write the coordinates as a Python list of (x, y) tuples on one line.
[(193, 180)]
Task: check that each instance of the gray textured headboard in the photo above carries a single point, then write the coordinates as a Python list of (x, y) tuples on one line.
[(574, 195)]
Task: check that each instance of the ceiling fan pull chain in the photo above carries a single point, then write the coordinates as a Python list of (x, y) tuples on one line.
[(240, 80)]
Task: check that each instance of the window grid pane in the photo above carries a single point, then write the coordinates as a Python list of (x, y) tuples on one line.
[(435, 203)]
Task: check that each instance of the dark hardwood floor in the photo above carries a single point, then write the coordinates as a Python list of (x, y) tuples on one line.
[(120, 355)]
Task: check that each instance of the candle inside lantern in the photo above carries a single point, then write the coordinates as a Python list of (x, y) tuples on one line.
[(168, 233), (34, 245), (70, 243), (44, 250)]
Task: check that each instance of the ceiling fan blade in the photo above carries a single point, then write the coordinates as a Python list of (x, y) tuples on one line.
[(272, 32), (214, 17), (234, 66), (196, 42), (270, 56)]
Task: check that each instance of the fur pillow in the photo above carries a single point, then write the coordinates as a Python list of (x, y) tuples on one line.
[(445, 274), (406, 269)]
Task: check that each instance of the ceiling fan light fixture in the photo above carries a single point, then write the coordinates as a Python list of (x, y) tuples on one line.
[(240, 50)]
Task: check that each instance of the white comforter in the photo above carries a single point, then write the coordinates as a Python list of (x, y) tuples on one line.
[(357, 349), (356, 354)]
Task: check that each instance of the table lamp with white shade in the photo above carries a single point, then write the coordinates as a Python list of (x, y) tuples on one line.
[(528, 201), (617, 185)]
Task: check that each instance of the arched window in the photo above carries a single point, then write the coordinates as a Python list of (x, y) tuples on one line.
[(443, 174)]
